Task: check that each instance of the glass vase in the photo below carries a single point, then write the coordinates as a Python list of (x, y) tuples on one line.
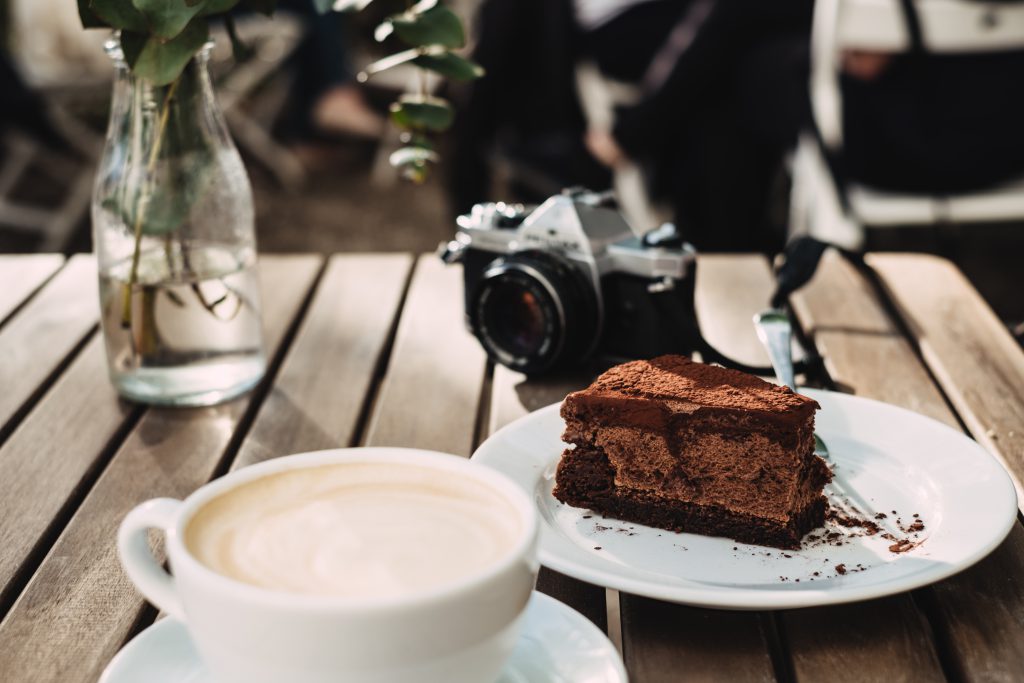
[(172, 218)]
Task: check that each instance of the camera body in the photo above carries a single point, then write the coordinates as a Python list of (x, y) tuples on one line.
[(550, 286)]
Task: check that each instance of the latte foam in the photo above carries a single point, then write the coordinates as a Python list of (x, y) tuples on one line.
[(354, 530)]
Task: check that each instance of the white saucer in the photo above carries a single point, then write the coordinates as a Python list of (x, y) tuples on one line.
[(886, 458), (558, 645)]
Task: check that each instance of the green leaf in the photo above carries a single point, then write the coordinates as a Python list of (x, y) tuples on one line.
[(89, 18), (167, 18), (161, 61), (435, 26), (450, 65), (220, 7), (422, 113), (119, 14), (412, 155)]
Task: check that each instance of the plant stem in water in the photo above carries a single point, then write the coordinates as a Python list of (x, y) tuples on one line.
[(140, 208)]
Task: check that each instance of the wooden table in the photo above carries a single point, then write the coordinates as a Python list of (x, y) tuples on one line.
[(371, 349)]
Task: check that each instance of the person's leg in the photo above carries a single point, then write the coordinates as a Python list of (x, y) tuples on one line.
[(326, 97)]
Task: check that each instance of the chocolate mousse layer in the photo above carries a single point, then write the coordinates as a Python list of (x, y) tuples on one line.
[(691, 447)]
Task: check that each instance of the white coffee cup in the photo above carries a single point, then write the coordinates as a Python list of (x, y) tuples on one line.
[(461, 631)]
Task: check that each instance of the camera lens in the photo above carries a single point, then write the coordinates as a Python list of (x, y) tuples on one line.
[(515, 315), (532, 312)]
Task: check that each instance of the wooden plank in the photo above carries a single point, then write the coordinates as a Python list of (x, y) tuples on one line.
[(864, 351), (321, 389), (79, 607), (430, 396), (866, 355), (731, 288), (21, 275), (513, 395), (886, 639), (40, 336), (979, 614), (660, 640), (56, 448), (972, 355), (665, 643)]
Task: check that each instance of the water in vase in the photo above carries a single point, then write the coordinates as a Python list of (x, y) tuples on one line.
[(189, 333)]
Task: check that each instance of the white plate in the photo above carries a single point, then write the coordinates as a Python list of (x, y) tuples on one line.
[(558, 645), (886, 458)]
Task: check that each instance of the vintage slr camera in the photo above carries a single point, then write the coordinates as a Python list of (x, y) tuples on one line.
[(550, 286)]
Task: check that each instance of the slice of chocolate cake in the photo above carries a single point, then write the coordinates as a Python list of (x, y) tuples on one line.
[(684, 446)]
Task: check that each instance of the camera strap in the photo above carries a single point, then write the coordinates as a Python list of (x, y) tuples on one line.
[(800, 261)]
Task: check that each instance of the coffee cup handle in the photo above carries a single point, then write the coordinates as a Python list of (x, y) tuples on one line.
[(137, 559)]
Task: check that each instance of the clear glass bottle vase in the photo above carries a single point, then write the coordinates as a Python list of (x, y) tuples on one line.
[(172, 218)]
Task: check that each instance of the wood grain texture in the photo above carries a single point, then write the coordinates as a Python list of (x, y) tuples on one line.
[(21, 275), (979, 614), (513, 395), (430, 396), (865, 352), (322, 386), (79, 607), (659, 640), (972, 355), (885, 639), (56, 447), (865, 355), (731, 288), (665, 643), (41, 335)]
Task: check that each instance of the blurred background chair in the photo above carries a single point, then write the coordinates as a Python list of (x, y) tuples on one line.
[(57, 85), (839, 209)]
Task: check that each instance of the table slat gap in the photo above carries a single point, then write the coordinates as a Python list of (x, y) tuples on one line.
[(22, 276), (79, 607), (46, 384), (44, 337), (380, 370), (971, 354), (481, 430), (310, 409), (865, 353), (51, 462), (778, 648), (512, 396), (258, 396), (979, 613), (660, 639), (430, 394)]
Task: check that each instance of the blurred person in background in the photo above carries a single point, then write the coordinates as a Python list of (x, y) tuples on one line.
[(723, 96), (521, 121), (326, 99), (726, 94), (712, 74)]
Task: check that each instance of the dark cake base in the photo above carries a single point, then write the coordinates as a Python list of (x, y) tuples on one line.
[(587, 480)]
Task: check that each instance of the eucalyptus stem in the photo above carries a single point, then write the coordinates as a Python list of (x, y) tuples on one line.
[(140, 207)]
